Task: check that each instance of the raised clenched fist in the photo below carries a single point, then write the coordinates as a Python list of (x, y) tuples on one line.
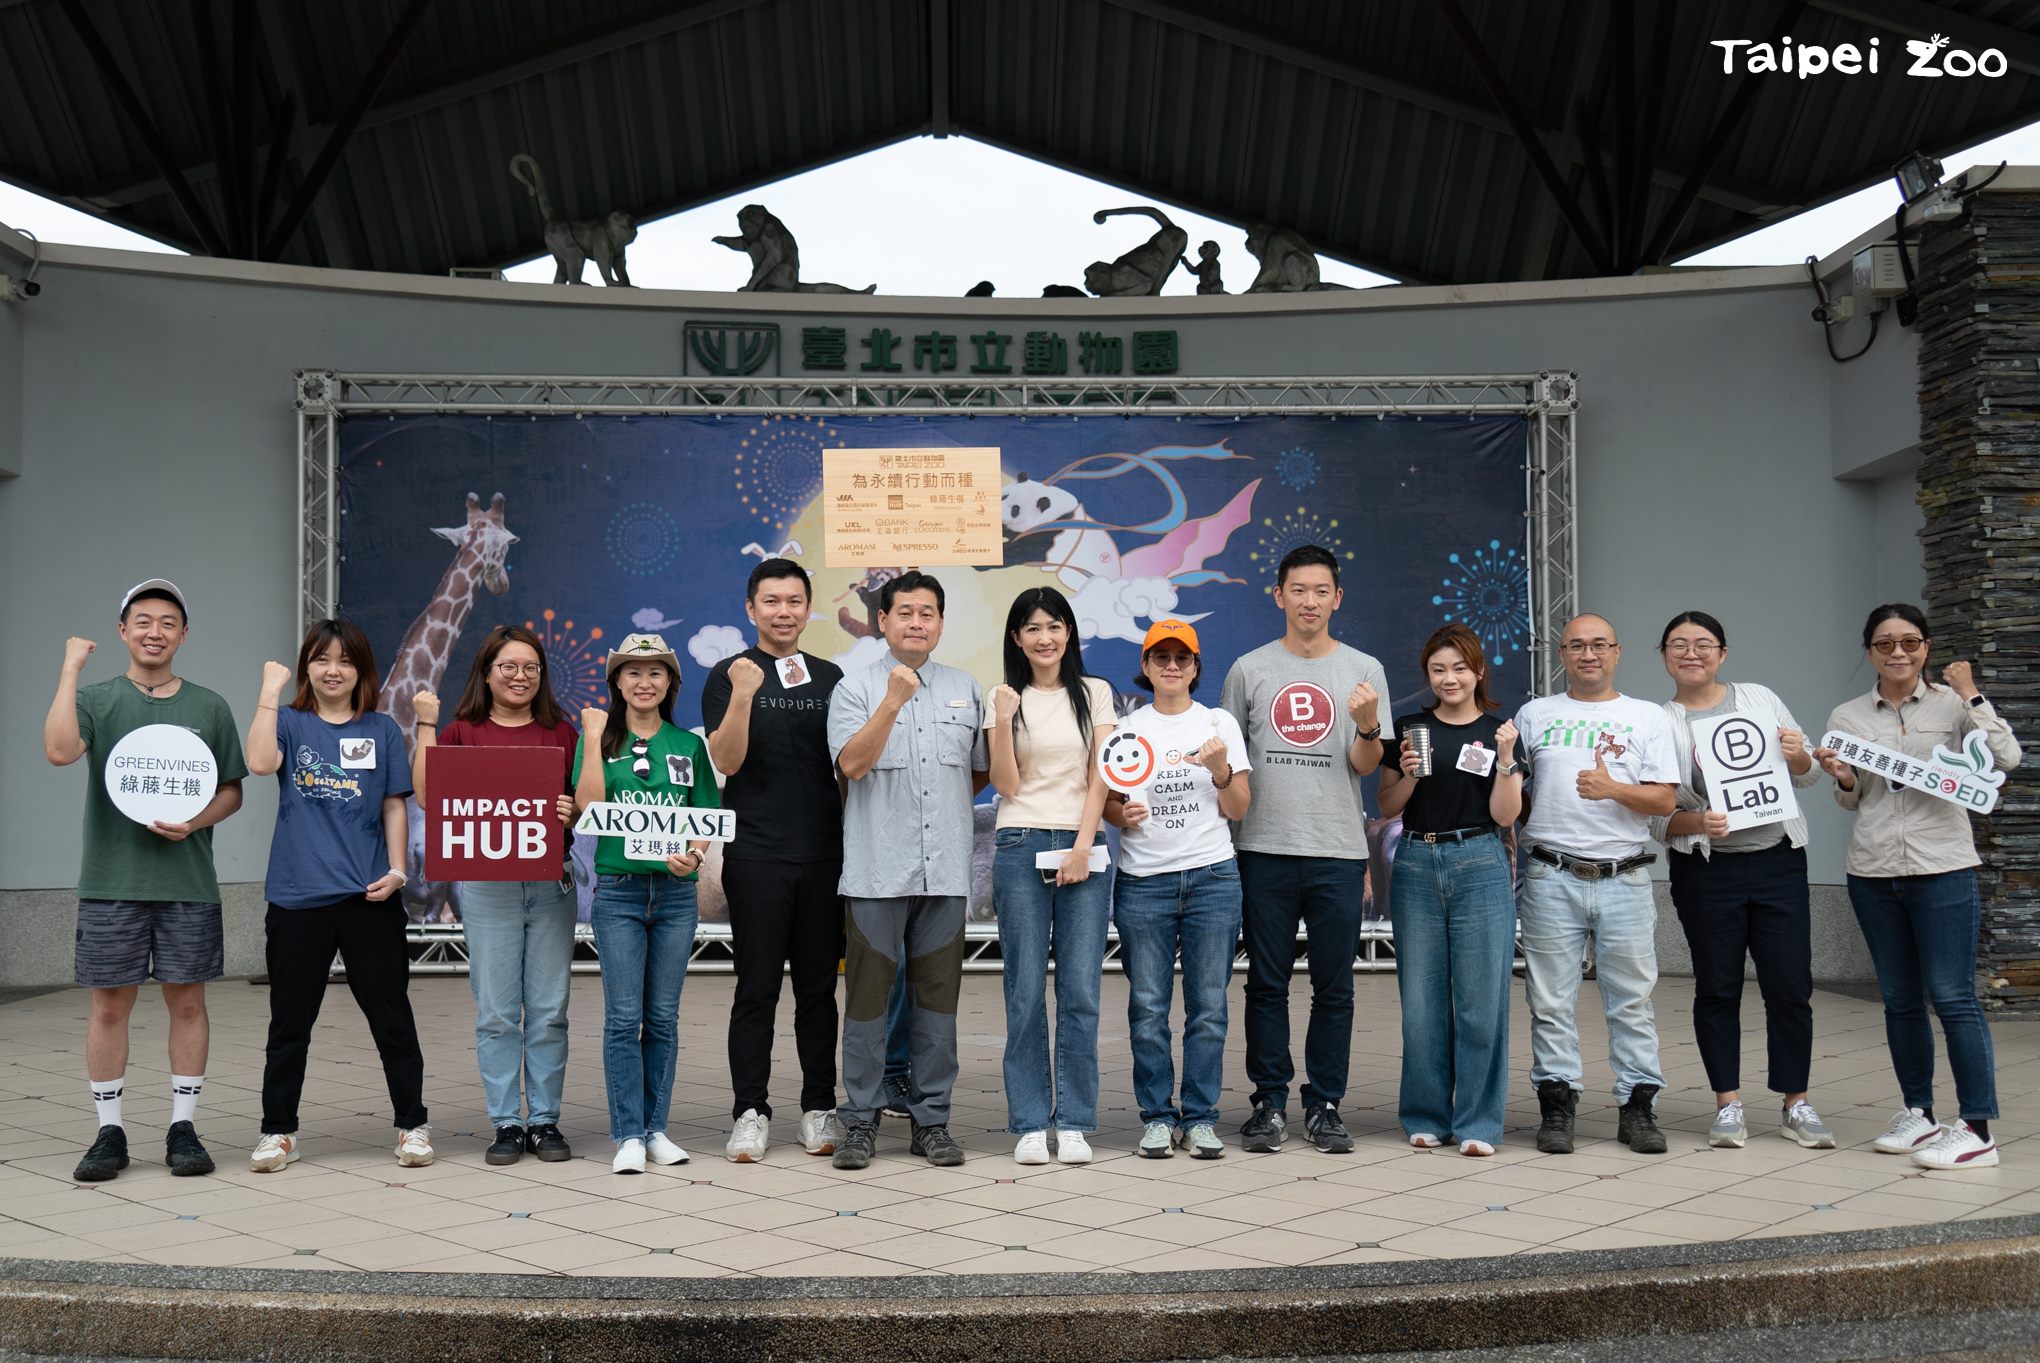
[(901, 684), (594, 719), (1505, 739), (275, 676), (745, 676), (1364, 705), (1960, 677), (425, 706), (1005, 702), (76, 651)]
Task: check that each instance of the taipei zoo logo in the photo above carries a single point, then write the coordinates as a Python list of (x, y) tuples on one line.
[(1931, 58)]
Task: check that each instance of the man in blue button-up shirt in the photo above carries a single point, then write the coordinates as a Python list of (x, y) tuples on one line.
[(906, 734)]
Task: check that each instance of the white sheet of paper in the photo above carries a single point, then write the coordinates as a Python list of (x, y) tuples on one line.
[(1747, 778), (1050, 861)]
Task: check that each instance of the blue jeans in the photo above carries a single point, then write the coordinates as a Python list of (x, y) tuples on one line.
[(644, 930), (520, 944), (1921, 931), (1455, 943), (1559, 910), (1035, 921), (1323, 895), (1197, 913)]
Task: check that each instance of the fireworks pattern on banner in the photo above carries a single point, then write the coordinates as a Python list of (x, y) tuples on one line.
[(575, 661), (642, 538), (779, 466), (1297, 467), (1293, 530), (1490, 594)]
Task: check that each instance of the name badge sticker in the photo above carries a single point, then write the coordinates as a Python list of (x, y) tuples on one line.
[(679, 772), (792, 672), (357, 754), (1476, 759)]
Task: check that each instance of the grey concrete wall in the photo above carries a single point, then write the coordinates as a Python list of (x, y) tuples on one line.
[(157, 436)]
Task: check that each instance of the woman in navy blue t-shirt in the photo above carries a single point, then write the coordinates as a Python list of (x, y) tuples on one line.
[(335, 867)]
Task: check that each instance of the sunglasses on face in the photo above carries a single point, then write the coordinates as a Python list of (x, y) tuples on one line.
[(1911, 643)]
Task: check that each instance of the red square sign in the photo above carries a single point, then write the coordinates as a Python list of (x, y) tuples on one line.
[(492, 813)]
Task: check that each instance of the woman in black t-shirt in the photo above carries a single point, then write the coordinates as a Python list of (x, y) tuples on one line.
[(1452, 902)]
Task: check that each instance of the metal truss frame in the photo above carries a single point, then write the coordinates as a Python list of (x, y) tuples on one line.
[(1548, 399)]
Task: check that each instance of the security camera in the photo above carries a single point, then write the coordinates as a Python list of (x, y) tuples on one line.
[(12, 288)]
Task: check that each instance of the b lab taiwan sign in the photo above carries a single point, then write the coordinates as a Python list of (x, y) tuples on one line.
[(492, 813)]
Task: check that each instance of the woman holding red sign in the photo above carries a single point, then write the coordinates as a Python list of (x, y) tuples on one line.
[(1178, 887), (520, 934), (645, 911), (1912, 882)]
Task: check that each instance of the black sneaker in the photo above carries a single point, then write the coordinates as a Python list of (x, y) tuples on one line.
[(1634, 1125), (548, 1144), (899, 1098), (1265, 1130), (107, 1157), (1557, 1102), (1321, 1123), (183, 1153), (508, 1147), (859, 1144), (937, 1144)]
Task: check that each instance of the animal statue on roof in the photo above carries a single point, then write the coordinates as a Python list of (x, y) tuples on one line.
[(1142, 271), (1288, 264), (573, 244), (775, 257), (1210, 279)]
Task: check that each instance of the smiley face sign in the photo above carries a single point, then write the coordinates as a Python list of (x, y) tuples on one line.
[(1126, 761)]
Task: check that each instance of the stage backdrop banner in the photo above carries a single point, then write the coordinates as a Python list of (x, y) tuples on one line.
[(587, 529)]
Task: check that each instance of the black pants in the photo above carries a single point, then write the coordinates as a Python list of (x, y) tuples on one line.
[(370, 940), (781, 914), (1754, 902)]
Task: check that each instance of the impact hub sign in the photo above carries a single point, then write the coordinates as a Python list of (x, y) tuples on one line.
[(161, 773), (653, 832), (1302, 714), (492, 813)]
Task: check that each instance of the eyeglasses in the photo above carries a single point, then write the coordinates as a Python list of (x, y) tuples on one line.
[(515, 670), (1911, 643), (1693, 648), (640, 758), (1597, 647)]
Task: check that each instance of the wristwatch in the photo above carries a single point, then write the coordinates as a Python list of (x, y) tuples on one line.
[(1976, 700), (1508, 768), (1372, 735)]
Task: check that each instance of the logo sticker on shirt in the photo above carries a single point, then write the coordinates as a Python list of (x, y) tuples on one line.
[(1302, 715), (793, 672), (679, 770), (357, 754), (1476, 759)]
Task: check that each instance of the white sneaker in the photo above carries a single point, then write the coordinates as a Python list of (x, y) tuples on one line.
[(1957, 1148), (273, 1152), (1031, 1148), (1909, 1130), (819, 1132), (1071, 1148), (630, 1158), (664, 1151), (747, 1138), (414, 1147)]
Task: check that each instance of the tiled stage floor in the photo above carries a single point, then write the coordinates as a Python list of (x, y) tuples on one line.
[(348, 1206)]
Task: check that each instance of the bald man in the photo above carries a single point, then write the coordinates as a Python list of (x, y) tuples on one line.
[(1601, 764)]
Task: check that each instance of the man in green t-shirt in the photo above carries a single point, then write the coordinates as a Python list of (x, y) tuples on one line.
[(148, 898)]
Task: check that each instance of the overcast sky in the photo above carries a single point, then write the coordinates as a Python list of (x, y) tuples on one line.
[(934, 217)]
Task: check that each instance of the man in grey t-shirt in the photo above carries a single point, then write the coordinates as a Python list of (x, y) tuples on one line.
[(1309, 707)]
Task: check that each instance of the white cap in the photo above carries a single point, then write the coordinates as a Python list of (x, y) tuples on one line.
[(154, 584)]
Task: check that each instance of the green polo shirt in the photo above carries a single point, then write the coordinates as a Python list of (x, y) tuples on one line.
[(679, 774)]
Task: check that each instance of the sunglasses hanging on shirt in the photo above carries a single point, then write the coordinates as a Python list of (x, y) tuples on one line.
[(640, 758)]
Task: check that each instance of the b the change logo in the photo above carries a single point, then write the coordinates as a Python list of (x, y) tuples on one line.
[(1302, 715)]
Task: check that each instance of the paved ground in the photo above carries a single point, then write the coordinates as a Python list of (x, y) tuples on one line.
[(348, 1205)]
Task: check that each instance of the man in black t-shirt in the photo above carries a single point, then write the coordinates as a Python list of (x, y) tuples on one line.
[(766, 713)]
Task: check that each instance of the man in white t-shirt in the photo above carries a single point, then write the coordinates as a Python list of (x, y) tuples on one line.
[(1601, 764)]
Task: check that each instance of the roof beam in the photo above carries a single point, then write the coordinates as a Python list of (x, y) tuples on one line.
[(1920, 19), (1208, 22), (938, 68), (533, 61)]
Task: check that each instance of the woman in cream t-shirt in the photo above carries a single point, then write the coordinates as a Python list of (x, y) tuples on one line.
[(1046, 722)]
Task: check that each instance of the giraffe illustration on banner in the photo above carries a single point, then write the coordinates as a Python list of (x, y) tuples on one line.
[(480, 548)]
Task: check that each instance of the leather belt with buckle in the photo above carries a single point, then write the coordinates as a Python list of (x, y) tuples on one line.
[(1591, 870), (1452, 834)]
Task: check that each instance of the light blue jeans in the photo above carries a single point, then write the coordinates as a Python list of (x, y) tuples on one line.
[(1198, 913), (644, 931), (1037, 921), (1559, 910), (520, 944), (1455, 943)]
